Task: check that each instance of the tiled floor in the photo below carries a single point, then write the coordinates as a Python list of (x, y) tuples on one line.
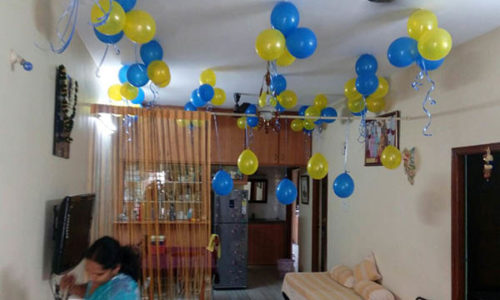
[(263, 284)]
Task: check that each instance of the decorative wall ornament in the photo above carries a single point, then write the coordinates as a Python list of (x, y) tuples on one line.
[(488, 167), (409, 164), (65, 111)]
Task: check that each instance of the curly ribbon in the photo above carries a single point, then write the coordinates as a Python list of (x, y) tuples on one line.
[(70, 14), (98, 70), (102, 20), (154, 90), (346, 146), (362, 123), (416, 84), (117, 49), (216, 126)]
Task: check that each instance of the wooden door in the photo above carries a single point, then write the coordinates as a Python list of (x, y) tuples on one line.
[(231, 141), (294, 147), (265, 145)]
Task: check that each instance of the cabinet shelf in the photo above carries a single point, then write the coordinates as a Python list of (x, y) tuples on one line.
[(187, 222)]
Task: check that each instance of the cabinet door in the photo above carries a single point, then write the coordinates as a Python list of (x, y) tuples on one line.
[(294, 147), (231, 141), (265, 146)]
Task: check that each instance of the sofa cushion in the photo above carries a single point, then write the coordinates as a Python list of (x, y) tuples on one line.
[(370, 290), (343, 275), (367, 270)]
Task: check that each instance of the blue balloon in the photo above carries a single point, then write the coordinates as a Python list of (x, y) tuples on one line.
[(122, 74), (206, 92), (252, 121), (190, 107), (151, 51), (366, 65), (137, 75), (402, 52), (301, 42), (343, 186), (286, 192), (278, 84), (108, 39), (140, 97), (251, 109), (222, 183), (195, 99), (328, 112), (285, 17), (127, 5), (307, 131), (366, 84), (279, 108), (428, 65), (302, 110), (358, 114)]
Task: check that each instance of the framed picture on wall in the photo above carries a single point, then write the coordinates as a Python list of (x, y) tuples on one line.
[(304, 189), (379, 134)]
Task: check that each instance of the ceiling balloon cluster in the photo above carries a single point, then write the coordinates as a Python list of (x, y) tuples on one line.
[(427, 46), (314, 115), (206, 92)]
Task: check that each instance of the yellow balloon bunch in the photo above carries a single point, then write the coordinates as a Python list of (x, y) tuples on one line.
[(248, 162), (116, 18), (270, 44), (114, 92), (159, 73), (434, 43), (129, 91), (208, 76), (140, 27), (390, 157), (320, 101), (297, 125), (317, 166), (287, 99), (375, 102)]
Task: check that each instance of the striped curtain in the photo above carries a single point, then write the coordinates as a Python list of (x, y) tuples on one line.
[(151, 174)]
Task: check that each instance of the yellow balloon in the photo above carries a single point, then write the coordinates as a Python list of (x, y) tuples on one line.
[(383, 88), (180, 122), (129, 91), (356, 105), (317, 166), (390, 157), (285, 59), (350, 90), (273, 101), (248, 162), (241, 122), (114, 92), (208, 77), (312, 111), (420, 22), (263, 99), (159, 73), (219, 97), (270, 44), (435, 44), (309, 124), (287, 99), (297, 125), (375, 105), (140, 26), (320, 101), (116, 19)]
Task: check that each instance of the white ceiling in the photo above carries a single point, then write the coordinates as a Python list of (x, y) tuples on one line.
[(220, 34)]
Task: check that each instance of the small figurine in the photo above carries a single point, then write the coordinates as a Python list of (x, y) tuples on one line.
[(488, 167), (409, 164)]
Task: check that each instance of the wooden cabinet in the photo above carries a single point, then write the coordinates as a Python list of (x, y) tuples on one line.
[(286, 148), (295, 147), (231, 141), (266, 242)]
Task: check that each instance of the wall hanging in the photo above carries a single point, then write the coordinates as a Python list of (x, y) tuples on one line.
[(381, 133)]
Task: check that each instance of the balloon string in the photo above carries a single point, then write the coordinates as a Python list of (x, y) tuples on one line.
[(346, 146), (246, 136), (428, 100), (273, 69), (117, 49), (217, 140), (72, 11), (362, 123), (98, 70), (155, 92), (102, 20), (417, 83)]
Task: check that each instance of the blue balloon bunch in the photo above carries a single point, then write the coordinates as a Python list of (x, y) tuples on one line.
[(300, 41), (252, 121), (403, 52), (122, 77), (201, 96), (367, 81), (286, 192)]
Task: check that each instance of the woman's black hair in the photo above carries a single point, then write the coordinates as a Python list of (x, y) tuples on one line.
[(107, 252)]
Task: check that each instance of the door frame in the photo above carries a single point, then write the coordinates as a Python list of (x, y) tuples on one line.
[(320, 187), (458, 215)]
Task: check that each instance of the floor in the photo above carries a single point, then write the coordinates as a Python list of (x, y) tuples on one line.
[(263, 284)]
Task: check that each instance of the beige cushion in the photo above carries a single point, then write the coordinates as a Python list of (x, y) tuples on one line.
[(342, 275), (370, 290), (367, 270)]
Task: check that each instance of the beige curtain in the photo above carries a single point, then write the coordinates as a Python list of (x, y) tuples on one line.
[(151, 174)]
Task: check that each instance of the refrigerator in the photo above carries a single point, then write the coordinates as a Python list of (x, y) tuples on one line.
[(231, 224)]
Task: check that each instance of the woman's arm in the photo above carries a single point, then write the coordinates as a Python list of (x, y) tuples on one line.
[(68, 283), (78, 290)]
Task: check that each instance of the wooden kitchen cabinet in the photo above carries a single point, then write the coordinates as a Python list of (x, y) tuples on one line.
[(295, 147), (266, 242), (266, 146), (231, 141)]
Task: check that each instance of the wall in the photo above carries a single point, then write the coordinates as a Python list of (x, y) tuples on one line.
[(408, 227), (272, 209), (305, 231), (30, 175)]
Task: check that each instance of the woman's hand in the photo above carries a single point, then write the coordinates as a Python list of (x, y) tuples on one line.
[(67, 282)]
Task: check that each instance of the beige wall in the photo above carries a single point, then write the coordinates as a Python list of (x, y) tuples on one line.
[(30, 176), (305, 230), (408, 227)]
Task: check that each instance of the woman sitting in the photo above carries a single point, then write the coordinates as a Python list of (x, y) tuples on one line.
[(113, 271)]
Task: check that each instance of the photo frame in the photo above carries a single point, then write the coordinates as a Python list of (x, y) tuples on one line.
[(258, 191), (379, 134), (304, 189)]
